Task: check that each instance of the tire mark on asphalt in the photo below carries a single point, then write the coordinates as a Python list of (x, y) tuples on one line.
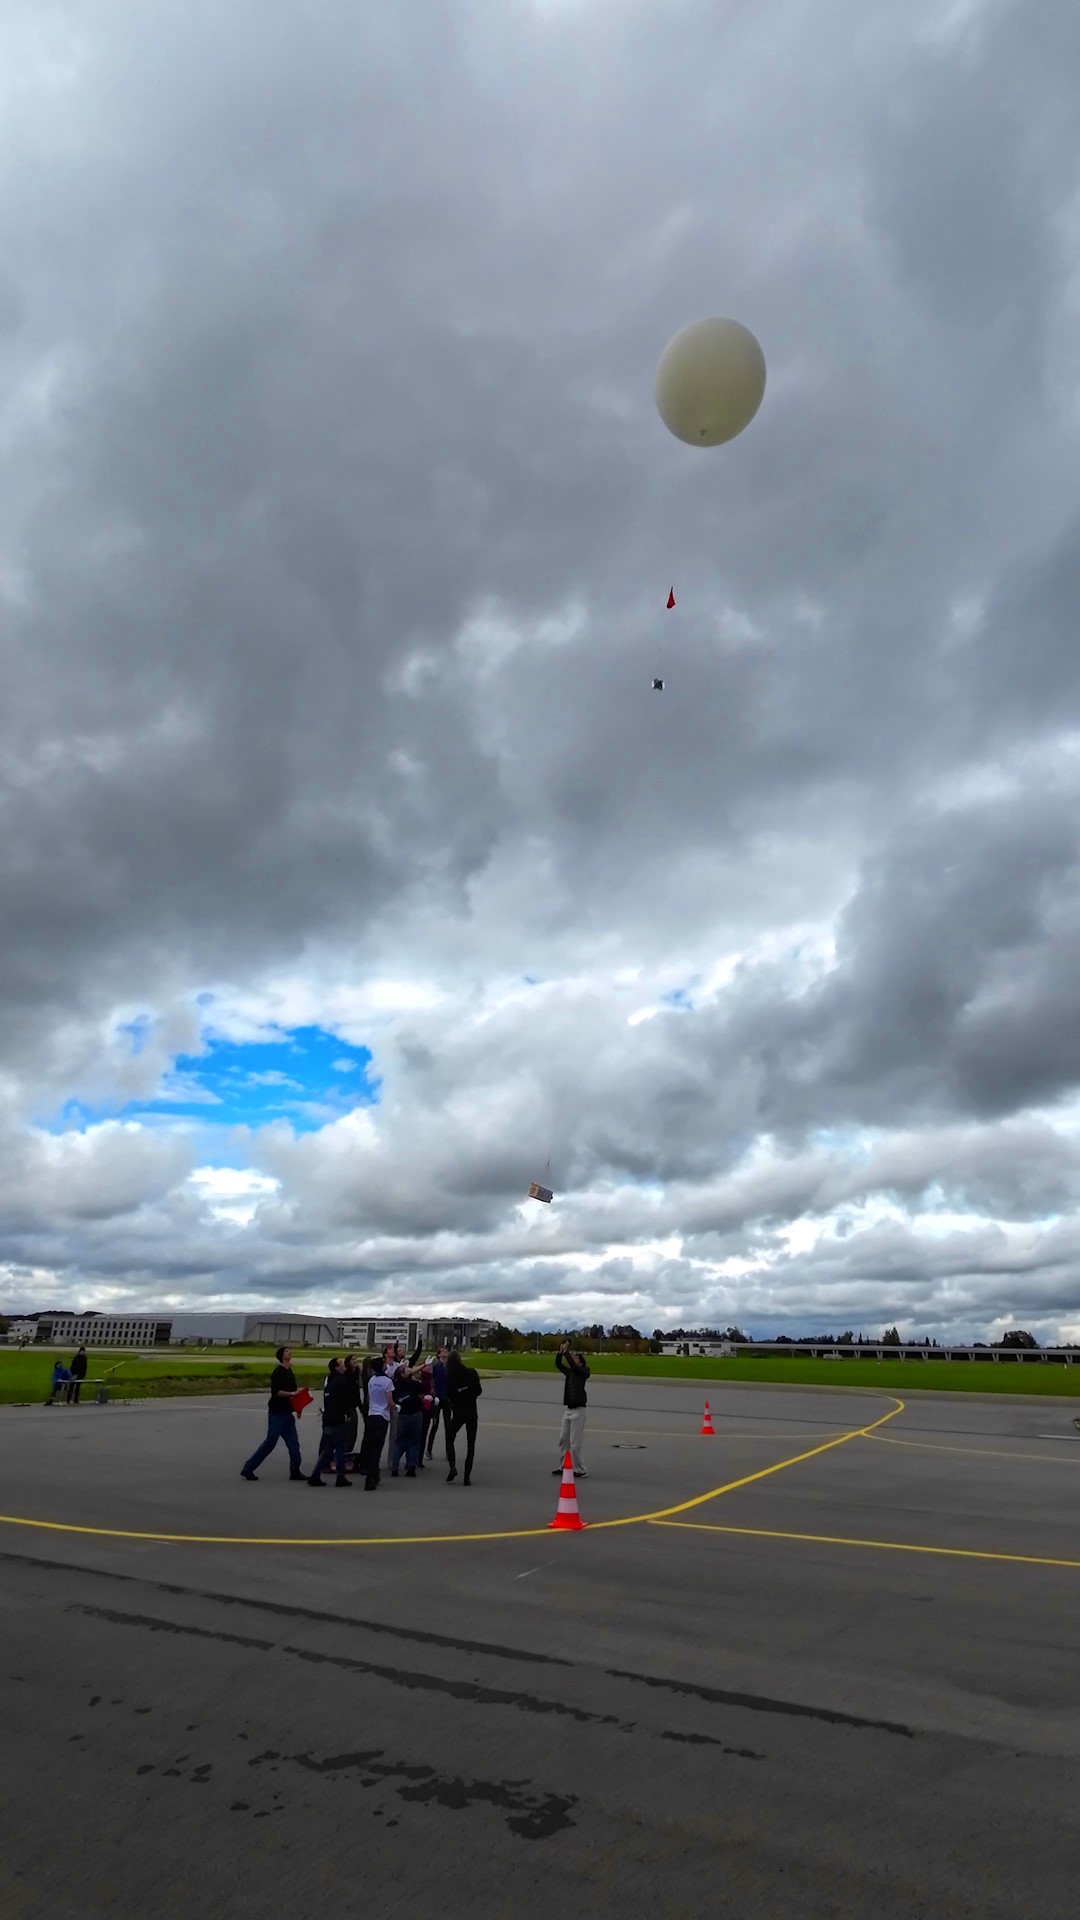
[(457, 1689), (761, 1703), (491, 1649), (472, 1691), (154, 1625)]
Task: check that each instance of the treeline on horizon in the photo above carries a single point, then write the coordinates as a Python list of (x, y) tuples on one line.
[(629, 1339)]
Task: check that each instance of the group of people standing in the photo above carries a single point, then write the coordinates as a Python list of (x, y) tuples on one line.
[(403, 1401)]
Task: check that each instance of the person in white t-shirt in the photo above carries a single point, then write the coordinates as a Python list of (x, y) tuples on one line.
[(380, 1403)]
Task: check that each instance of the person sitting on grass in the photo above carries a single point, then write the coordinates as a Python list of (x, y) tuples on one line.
[(60, 1378)]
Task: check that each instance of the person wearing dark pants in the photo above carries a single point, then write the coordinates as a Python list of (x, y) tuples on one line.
[(409, 1395), (281, 1421), (356, 1394), (440, 1388), (465, 1391), (77, 1371), (60, 1378), (575, 1372), (337, 1401), (380, 1400)]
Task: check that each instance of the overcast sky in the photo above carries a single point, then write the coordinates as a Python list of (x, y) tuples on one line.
[(349, 866)]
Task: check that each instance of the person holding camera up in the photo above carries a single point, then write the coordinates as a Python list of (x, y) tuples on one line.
[(575, 1372)]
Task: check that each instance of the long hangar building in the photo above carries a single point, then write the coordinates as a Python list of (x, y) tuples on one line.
[(370, 1327)]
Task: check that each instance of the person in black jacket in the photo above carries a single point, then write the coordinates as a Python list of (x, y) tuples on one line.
[(440, 1388), (464, 1392), (575, 1399), (356, 1401), (409, 1438), (281, 1424), (337, 1405), (77, 1371)]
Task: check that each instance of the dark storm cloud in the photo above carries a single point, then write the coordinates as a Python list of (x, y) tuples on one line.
[(335, 530)]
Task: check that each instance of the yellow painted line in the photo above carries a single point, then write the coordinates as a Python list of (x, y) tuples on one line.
[(644, 1434), (763, 1473), (879, 1546), (440, 1539), (983, 1453)]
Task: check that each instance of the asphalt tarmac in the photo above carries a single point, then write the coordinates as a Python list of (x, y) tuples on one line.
[(844, 1684)]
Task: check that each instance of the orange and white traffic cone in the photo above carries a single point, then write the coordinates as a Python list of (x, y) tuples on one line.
[(567, 1519), (707, 1425)]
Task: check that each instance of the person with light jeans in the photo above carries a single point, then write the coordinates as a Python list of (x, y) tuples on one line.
[(575, 1372)]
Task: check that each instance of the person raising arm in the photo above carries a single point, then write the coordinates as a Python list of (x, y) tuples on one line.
[(575, 1372)]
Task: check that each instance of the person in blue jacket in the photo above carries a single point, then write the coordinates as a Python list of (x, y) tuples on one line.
[(60, 1378)]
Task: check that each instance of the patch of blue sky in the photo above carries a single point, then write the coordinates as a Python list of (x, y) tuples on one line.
[(304, 1075), (680, 997), (138, 1032), (849, 1139)]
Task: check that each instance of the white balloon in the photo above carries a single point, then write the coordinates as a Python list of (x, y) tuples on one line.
[(710, 382)]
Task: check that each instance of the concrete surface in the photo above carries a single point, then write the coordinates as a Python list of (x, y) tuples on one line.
[(658, 1717)]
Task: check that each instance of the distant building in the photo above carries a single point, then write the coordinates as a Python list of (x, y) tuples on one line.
[(691, 1348), (377, 1328), (102, 1330), (291, 1329), (161, 1328), (22, 1329)]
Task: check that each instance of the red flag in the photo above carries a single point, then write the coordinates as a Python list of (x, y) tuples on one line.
[(671, 598), (299, 1401)]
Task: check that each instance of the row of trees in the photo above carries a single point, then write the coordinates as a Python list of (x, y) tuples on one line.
[(629, 1339)]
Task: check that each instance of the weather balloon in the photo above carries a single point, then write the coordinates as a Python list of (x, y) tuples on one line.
[(710, 382)]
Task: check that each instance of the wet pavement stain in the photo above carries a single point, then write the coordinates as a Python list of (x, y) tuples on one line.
[(529, 1815), (709, 1740), (457, 1689)]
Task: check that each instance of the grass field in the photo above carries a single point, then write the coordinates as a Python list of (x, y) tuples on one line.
[(25, 1375), (893, 1376)]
